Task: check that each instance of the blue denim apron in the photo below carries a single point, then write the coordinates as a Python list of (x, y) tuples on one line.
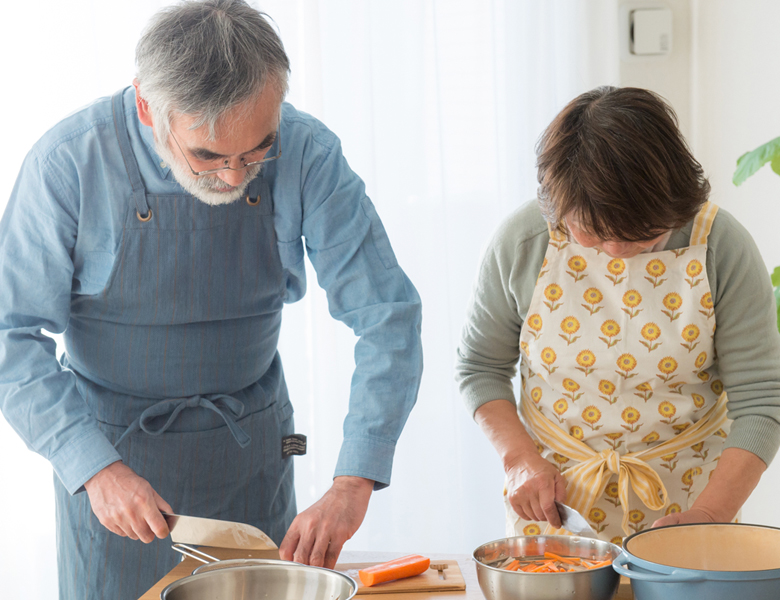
[(177, 360)]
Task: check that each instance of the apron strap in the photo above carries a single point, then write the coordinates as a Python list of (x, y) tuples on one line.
[(556, 234), (702, 224), (586, 479), (225, 406), (131, 165)]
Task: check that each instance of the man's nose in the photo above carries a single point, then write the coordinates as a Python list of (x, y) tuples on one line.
[(234, 178)]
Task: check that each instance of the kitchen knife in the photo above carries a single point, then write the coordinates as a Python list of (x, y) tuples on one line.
[(573, 521), (199, 531)]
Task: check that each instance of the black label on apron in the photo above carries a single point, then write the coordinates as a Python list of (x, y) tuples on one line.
[(294, 445)]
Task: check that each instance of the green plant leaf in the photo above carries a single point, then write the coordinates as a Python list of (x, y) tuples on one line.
[(775, 277), (752, 161)]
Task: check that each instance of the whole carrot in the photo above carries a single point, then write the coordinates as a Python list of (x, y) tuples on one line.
[(407, 566)]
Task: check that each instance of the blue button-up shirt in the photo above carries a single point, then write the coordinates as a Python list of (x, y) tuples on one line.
[(61, 233)]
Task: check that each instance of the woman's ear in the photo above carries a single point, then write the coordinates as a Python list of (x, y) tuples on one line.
[(144, 114)]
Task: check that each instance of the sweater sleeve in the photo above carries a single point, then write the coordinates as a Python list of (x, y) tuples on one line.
[(489, 348), (746, 337)]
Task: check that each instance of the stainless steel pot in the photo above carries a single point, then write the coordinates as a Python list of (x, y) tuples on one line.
[(249, 579), (593, 584)]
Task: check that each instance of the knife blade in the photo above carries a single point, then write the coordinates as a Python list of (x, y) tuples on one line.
[(573, 521), (200, 531)]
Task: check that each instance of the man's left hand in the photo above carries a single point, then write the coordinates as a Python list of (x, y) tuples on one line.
[(317, 535)]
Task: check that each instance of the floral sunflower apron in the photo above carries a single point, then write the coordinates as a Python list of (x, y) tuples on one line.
[(619, 388)]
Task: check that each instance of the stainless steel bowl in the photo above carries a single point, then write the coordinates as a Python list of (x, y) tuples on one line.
[(593, 584), (283, 581), (240, 562)]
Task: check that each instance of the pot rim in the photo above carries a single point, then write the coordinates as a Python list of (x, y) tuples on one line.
[(706, 574), (251, 567)]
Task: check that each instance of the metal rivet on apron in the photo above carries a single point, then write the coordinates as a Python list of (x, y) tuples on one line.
[(255, 203), (144, 218)]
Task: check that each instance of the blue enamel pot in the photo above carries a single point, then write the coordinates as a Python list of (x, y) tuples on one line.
[(712, 561)]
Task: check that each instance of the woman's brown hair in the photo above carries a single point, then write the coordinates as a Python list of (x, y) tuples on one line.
[(614, 159)]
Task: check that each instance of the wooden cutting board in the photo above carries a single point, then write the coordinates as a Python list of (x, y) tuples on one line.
[(425, 582)]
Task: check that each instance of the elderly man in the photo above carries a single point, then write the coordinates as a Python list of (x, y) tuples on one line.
[(161, 231)]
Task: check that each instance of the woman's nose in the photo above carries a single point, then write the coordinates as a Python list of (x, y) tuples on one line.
[(620, 249)]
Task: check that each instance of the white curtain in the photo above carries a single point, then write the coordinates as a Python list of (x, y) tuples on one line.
[(438, 105)]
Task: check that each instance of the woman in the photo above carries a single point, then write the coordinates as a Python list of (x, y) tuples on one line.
[(608, 290)]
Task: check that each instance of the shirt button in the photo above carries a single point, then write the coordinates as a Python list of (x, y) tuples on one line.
[(163, 164)]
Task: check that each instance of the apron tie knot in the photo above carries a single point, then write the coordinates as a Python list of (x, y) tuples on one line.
[(225, 406), (611, 460)]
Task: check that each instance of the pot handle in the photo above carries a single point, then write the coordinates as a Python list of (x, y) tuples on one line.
[(622, 566), (194, 553)]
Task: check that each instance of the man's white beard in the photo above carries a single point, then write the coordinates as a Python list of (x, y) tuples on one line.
[(206, 188)]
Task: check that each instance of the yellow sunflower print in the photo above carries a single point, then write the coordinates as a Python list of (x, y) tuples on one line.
[(694, 268), (651, 437), (617, 540), (616, 266), (586, 359), (667, 410), (651, 332), (570, 325), (606, 387), (549, 356), (536, 394), (524, 348), (630, 415), (593, 296), (636, 516), (672, 302), (576, 432), (698, 401), (610, 328), (689, 476), (534, 322), (591, 415), (667, 365), (560, 406), (717, 387), (632, 298), (700, 360), (532, 529), (672, 509), (706, 301), (690, 333), (560, 459), (597, 515), (570, 385), (655, 268), (626, 363), (553, 293), (577, 264), (613, 493)]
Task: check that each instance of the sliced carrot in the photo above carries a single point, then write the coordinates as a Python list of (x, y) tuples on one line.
[(513, 566), (407, 566), (563, 559), (603, 563)]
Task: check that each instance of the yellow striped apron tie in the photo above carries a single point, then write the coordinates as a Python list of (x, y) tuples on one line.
[(586, 482)]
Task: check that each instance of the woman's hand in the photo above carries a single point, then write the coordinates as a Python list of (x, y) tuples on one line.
[(687, 517), (533, 486)]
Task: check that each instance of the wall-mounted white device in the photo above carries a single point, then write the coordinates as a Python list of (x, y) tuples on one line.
[(645, 30)]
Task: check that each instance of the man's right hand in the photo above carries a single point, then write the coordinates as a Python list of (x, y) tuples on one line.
[(126, 504)]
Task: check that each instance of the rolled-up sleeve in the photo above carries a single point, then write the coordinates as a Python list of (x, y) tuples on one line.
[(37, 396), (369, 292)]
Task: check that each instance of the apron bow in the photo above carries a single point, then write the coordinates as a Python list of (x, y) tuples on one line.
[(225, 406)]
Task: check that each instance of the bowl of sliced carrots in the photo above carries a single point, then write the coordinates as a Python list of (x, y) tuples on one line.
[(547, 567)]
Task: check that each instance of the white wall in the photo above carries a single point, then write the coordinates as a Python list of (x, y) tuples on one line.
[(735, 90), (722, 78)]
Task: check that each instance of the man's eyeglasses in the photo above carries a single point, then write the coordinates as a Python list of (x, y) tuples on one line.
[(243, 166)]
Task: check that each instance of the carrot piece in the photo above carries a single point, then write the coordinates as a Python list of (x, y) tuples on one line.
[(513, 566), (563, 559), (407, 566), (603, 563)]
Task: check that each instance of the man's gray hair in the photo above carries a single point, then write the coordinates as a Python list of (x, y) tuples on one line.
[(204, 57)]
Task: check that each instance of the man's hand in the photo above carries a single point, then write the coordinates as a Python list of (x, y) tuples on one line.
[(317, 535), (126, 504), (533, 486)]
